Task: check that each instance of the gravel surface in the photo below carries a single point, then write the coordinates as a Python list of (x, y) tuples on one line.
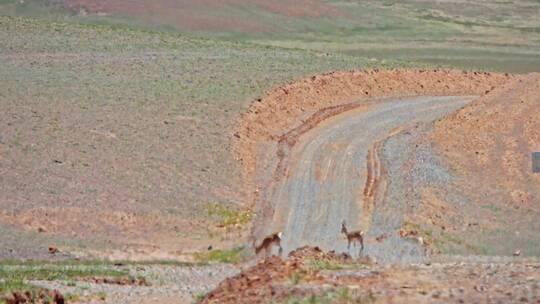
[(168, 284), (324, 184)]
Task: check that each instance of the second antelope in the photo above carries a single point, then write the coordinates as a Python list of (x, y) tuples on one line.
[(268, 243), (353, 236)]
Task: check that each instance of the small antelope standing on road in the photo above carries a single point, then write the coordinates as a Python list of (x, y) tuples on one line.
[(268, 243), (353, 237)]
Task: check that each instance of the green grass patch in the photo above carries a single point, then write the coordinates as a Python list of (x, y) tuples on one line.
[(234, 255), (14, 278), (440, 239), (493, 208), (228, 216), (9, 286), (452, 244), (339, 296), (333, 265), (297, 277), (198, 297), (56, 272), (89, 263)]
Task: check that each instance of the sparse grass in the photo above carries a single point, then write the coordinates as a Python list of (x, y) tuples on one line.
[(170, 103), (91, 263), (14, 277), (101, 295), (449, 243), (198, 297), (229, 217), (475, 36), (55, 272), (339, 296), (441, 240), (7, 286), (234, 255), (333, 265), (470, 37), (493, 208), (438, 239), (297, 277)]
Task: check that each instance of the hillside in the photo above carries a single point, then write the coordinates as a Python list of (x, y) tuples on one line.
[(489, 145), (492, 35), (121, 137)]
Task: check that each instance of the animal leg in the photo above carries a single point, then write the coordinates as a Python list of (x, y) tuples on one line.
[(280, 249)]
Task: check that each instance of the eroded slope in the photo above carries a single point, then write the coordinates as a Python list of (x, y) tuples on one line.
[(490, 142), (488, 146)]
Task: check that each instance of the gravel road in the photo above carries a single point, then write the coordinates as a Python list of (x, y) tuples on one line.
[(325, 182)]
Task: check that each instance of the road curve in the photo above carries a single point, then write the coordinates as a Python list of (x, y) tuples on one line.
[(327, 180)]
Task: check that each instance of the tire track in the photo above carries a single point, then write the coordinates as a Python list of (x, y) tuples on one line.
[(310, 204)]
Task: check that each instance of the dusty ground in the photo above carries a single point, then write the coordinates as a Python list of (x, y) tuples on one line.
[(488, 146), (491, 141), (311, 276), (119, 139)]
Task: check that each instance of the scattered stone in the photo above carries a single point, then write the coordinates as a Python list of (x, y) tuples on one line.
[(53, 249), (118, 281)]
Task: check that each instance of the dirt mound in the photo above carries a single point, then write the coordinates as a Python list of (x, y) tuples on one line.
[(262, 281), (491, 141), (260, 131), (41, 296)]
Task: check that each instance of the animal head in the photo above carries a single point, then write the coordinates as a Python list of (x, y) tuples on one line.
[(343, 228), (279, 234)]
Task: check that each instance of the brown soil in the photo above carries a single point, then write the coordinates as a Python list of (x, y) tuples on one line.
[(490, 142), (491, 207), (275, 280), (258, 283), (108, 176), (42, 296), (261, 131)]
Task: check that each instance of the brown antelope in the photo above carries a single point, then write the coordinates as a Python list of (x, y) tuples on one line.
[(268, 243), (353, 237)]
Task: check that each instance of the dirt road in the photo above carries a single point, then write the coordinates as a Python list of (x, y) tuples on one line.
[(334, 170)]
